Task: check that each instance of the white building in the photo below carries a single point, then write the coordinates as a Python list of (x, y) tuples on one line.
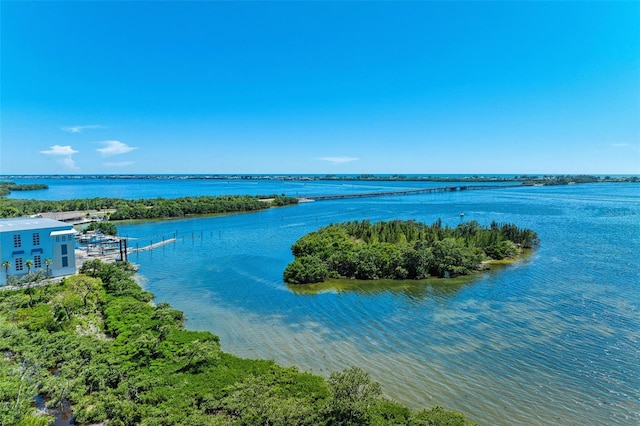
[(39, 241)]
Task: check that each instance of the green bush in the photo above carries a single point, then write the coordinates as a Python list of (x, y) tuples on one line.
[(401, 250), (97, 343), (106, 228)]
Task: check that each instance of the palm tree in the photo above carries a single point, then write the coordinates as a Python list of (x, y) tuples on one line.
[(6, 265), (48, 263), (28, 264)]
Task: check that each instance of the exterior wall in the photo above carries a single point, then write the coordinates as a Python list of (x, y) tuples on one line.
[(63, 255), (36, 244)]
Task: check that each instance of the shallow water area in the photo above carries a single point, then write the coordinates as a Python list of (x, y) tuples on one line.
[(551, 339)]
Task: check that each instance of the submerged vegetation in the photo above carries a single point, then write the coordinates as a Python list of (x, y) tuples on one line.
[(97, 344), (402, 250)]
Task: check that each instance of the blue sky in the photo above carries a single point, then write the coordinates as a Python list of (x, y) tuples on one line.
[(319, 87)]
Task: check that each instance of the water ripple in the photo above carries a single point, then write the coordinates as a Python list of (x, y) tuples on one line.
[(550, 340)]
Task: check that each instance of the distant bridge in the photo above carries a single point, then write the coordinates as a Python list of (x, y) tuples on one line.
[(410, 192)]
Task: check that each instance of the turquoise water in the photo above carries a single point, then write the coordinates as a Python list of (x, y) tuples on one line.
[(553, 339), (136, 188)]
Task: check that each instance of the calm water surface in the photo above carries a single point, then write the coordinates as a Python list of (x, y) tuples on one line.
[(136, 188), (553, 339)]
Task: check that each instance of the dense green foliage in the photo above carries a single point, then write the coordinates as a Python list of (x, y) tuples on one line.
[(6, 187), (147, 208), (157, 208), (97, 343), (401, 250), (106, 228)]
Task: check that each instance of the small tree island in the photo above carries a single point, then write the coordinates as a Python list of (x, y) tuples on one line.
[(402, 250)]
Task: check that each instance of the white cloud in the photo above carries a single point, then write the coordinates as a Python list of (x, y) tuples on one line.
[(80, 129), (115, 148), (118, 164), (60, 150), (64, 154), (339, 160), (69, 163)]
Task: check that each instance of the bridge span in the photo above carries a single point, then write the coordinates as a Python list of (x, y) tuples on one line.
[(430, 190)]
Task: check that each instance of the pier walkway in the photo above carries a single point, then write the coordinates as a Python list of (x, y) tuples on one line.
[(151, 246)]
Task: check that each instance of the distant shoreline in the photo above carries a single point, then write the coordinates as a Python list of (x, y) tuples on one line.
[(546, 179)]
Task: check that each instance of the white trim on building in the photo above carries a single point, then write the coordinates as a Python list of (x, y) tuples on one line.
[(66, 232)]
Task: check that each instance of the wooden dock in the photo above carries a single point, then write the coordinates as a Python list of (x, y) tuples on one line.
[(150, 246)]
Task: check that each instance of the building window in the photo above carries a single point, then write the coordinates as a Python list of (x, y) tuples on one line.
[(57, 238), (64, 252), (37, 261), (19, 265), (36, 238), (17, 241)]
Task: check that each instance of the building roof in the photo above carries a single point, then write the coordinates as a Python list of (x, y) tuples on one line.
[(63, 216), (29, 223)]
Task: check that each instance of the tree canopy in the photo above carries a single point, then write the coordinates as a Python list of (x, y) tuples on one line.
[(96, 344), (152, 208), (402, 250), (106, 228), (6, 187)]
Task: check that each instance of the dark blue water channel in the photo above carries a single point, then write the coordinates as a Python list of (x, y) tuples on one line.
[(553, 339)]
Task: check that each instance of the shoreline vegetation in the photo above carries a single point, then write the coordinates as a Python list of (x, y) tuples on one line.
[(161, 208), (7, 187), (96, 345), (156, 208), (403, 250), (413, 288)]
